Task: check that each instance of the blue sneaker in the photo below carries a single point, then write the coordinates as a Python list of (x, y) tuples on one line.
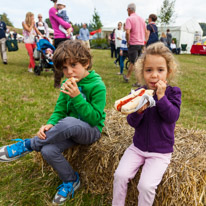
[(66, 190), (12, 152)]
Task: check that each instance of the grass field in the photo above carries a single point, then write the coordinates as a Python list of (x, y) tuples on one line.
[(27, 101)]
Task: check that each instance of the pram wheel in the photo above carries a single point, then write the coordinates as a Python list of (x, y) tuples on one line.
[(127, 64), (37, 70)]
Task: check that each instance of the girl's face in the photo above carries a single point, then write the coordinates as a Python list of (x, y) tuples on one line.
[(76, 70), (155, 69), (32, 18)]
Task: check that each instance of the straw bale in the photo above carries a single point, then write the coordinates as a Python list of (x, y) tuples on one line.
[(184, 182)]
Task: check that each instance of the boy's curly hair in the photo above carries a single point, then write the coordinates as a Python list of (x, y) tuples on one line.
[(161, 50), (72, 51)]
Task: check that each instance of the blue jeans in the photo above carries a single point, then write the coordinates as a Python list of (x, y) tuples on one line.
[(122, 58), (67, 133)]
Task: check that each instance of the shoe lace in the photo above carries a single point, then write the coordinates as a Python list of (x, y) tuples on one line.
[(19, 146), (66, 188)]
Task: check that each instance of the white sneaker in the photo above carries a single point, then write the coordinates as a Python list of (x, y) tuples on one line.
[(30, 70)]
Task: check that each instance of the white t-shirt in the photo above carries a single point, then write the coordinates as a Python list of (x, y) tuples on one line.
[(173, 46), (118, 33)]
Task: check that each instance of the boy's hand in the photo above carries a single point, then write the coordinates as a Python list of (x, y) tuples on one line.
[(144, 107), (71, 88), (161, 88), (41, 133)]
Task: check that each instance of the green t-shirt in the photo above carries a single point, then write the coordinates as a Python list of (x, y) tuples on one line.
[(87, 106)]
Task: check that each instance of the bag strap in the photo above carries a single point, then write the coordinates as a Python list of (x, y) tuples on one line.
[(152, 28)]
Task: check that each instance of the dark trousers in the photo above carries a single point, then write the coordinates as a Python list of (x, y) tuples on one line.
[(113, 51), (58, 75), (118, 56), (65, 134), (176, 51)]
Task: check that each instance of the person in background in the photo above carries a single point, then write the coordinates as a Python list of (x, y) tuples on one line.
[(3, 41), (112, 44), (15, 35), (78, 118), (30, 32), (42, 26), (84, 35), (118, 41), (135, 35), (174, 48), (153, 138), (61, 7), (152, 30), (123, 51), (8, 34), (163, 39), (169, 38), (58, 37)]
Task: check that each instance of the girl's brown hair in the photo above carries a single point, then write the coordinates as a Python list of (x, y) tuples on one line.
[(72, 51), (161, 50), (28, 19)]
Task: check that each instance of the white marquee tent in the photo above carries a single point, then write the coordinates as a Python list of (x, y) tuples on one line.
[(185, 33)]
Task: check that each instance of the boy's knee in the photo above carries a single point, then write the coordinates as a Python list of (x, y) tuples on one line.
[(49, 152)]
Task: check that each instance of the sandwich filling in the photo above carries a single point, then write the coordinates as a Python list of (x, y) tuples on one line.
[(121, 103)]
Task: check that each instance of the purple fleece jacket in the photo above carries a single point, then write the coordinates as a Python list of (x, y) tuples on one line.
[(55, 22), (154, 128)]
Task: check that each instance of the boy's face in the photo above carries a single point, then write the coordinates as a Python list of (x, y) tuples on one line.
[(155, 69), (76, 70), (60, 6)]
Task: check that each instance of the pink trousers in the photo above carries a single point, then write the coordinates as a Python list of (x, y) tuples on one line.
[(30, 48), (154, 166)]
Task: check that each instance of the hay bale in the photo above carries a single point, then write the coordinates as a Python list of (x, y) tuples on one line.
[(184, 182)]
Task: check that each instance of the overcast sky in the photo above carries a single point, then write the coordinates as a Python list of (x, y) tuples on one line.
[(110, 11)]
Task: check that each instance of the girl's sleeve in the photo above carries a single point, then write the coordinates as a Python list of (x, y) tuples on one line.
[(65, 24), (134, 119), (169, 106)]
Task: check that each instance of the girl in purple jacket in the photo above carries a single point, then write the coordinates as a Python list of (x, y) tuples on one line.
[(154, 127)]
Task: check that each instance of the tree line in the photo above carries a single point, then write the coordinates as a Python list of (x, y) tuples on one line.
[(165, 17)]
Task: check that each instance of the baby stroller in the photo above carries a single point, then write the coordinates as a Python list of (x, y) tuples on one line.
[(40, 55)]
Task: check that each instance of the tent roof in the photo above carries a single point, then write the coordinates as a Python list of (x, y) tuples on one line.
[(190, 26)]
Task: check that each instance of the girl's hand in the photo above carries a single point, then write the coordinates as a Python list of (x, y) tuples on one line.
[(161, 88), (71, 88), (121, 53), (144, 107), (41, 133)]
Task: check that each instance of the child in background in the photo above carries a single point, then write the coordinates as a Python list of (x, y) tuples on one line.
[(123, 53), (49, 54), (78, 117), (153, 140), (61, 7)]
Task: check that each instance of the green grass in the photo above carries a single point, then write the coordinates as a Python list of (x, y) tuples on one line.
[(27, 101)]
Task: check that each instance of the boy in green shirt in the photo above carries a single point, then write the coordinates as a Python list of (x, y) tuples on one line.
[(78, 117)]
